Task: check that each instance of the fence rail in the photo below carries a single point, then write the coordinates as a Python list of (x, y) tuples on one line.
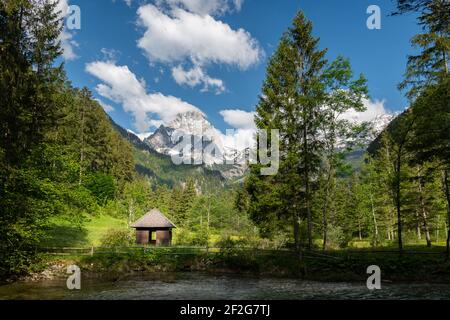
[(175, 250), (180, 250)]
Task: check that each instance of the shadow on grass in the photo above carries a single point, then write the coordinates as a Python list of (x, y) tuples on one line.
[(57, 235)]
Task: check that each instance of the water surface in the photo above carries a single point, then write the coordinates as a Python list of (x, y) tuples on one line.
[(184, 286)]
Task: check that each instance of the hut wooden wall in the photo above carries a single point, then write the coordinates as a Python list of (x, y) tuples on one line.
[(163, 237), (142, 236)]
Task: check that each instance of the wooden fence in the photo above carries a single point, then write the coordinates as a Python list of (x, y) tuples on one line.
[(175, 250), (90, 251), (190, 250)]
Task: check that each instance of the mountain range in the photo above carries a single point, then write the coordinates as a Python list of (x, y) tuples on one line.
[(216, 161)]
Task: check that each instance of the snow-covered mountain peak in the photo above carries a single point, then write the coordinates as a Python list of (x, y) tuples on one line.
[(380, 122), (191, 122)]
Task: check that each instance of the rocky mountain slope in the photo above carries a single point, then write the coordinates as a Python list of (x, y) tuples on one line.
[(215, 160)]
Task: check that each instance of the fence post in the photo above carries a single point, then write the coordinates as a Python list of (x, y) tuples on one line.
[(92, 251)]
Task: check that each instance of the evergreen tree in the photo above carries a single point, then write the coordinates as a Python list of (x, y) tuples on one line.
[(29, 85), (189, 195), (431, 64), (28, 80), (303, 98), (291, 98)]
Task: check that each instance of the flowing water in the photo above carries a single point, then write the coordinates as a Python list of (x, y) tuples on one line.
[(186, 286)]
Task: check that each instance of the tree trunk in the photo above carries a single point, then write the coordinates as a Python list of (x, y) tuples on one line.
[(437, 229), (209, 209), (296, 234), (419, 233), (207, 221), (398, 201), (375, 224), (298, 246), (130, 212), (392, 225), (359, 229), (325, 211), (424, 212), (307, 191), (447, 195), (82, 145)]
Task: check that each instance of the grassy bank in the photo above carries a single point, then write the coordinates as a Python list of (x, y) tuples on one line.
[(344, 265), (418, 263)]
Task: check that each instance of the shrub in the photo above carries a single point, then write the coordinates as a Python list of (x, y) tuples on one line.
[(336, 238), (117, 238)]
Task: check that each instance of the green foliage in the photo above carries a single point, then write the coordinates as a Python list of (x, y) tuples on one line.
[(337, 238), (68, 175), (53, 137), (430, 65), (102, 187), (117, 238), (162, 171)]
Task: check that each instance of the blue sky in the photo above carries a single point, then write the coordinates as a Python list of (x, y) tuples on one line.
[(122, 50)]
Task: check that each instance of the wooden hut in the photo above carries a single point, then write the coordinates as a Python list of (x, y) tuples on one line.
[(154, 228)]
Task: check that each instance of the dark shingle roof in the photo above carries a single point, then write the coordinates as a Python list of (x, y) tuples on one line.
[(153, 219)]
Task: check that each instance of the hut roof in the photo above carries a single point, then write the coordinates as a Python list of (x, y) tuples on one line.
[(153, 219)]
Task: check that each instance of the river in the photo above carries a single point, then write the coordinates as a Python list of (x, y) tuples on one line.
[(187, 286)]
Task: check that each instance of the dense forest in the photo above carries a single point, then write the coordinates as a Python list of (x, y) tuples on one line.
[(63, 160), (59, 153)]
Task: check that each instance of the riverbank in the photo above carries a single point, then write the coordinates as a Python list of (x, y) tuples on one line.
[(333, 266)]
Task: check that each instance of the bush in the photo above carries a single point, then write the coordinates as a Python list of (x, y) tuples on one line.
[(230, 242), (336, 238), (117, 238)]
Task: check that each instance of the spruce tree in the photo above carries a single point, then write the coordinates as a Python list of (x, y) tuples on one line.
[(290, 101), (431, 64)]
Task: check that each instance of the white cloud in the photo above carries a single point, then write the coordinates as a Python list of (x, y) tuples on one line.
[(110, 54), (65, 37), (244, 123), (107, 107), (127, 2), (122, 86), (374, 110), (199, 38), (239, 139), (180, 36), (204, 7), (67, 45), (238, 4), (239, 119), (196, 76)]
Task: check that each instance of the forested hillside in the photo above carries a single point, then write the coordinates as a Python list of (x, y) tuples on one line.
[(59, 153)]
